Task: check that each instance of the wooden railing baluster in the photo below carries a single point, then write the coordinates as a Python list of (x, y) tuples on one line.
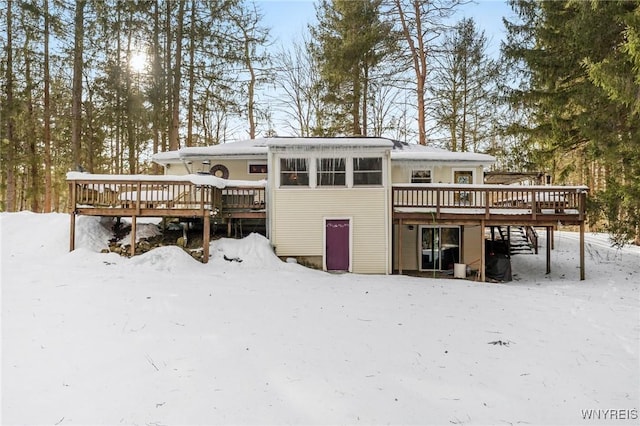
[(538, 202)]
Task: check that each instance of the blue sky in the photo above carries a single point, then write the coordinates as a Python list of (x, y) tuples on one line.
[(288, 19)]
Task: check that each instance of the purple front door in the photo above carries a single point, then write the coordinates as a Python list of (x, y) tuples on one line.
[(337, 244)]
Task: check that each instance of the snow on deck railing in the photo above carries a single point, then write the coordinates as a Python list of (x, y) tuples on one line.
[(535, 199), (196, 179), (164, 191), (482, 186)]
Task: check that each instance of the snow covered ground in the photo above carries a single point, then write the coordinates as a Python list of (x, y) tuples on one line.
[(160, 339)]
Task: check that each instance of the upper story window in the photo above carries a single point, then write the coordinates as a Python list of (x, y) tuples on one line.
[(463, 177), (367, 171), (257, 169), (331, 172), (421, 176), (294, 172)]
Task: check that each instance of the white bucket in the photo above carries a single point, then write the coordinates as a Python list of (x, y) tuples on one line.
[(459, 270)]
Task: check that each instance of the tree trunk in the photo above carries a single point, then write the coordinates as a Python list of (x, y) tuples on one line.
[(158, 90), (131, 133), (365, 94), (47, 114), (9, 160), (357, 92), (465, 106), (174, 143), (167, 77), (33, 180), (251, 90), (192, 82), (118, 155), (76, 108), (90, 132), (419, 63)]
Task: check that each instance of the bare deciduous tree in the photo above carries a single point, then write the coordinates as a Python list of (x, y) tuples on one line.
[(422, 22)]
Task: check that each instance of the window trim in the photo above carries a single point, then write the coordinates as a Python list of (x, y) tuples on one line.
[(344, 172), (463, 169), (257, 164), (308, 172), (421, 170), (464, 198), (439, 228), (354, 172)]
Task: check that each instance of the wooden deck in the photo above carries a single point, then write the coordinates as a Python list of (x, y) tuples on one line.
[(199, 197), (492, 204), (162, 196)]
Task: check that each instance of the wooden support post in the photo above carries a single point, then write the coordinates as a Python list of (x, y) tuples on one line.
[(400, 246), (394, 236), (549, 238), (72, 212), (487, 211), (582, 273), (482, 253), (206, 233), (461, 246), (132, 249), (72, 231), (138, 197), (553, 239), (229, 227)]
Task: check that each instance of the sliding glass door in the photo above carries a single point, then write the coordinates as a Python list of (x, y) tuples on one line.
[(439, 247)]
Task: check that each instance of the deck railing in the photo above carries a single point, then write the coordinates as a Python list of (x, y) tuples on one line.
[(160, 194), (490, 199), (154, 196), (245, 198)]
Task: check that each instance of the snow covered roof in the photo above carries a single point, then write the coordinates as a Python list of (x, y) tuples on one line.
[(259, 147), (403, 151), (248, 147), (196, 179), (330, 142)]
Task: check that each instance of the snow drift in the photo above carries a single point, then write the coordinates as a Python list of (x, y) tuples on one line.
[(160, 338)]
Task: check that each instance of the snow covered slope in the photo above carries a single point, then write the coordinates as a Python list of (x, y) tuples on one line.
[(160, 339)]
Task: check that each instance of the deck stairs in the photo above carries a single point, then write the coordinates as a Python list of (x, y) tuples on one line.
[(519, 239), (519, 242)]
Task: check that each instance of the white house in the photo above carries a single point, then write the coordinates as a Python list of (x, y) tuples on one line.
[(365, 205), (329, 199)]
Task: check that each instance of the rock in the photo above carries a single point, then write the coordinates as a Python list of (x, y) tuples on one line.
[(144, 246)]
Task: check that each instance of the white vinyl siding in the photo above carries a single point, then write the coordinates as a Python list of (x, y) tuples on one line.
[(299, 223), (409, 245), (238, 169), (401, 171)]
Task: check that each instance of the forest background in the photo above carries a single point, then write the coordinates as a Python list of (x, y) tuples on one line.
[(102, 85)]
